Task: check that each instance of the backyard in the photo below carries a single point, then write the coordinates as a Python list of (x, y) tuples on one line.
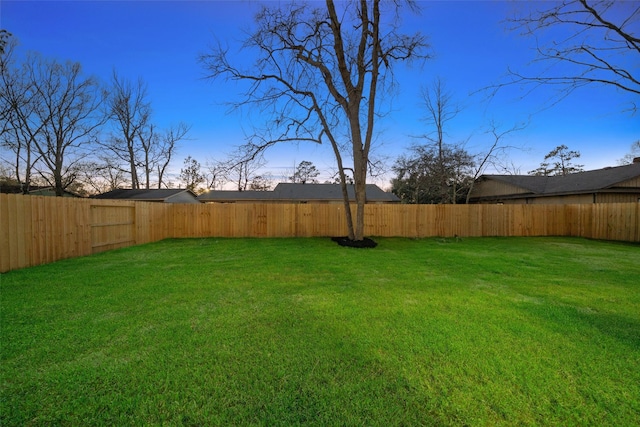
[(474, 331)]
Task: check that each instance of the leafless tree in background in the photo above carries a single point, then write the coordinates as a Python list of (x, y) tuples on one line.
[(157, 151), (243, 166), (148, 140), (305, 172), (440, 110), (102, 175), (68, 114), (50, 116), (495, 155), (262, 182), (635, 153), (137, 142), (165, 149), (131, 112), (442, 171), (19, 123), (191, 174), (582, 43), (216, 174), (320, 74)]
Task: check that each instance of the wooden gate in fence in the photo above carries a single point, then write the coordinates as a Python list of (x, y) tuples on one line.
[(112, 227)]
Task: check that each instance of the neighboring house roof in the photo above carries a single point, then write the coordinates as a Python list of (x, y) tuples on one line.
[(223, 196), (291, 192), (576, 183), (168, 195), (326, 192)]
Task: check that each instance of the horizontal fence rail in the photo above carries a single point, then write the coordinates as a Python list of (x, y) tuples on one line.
[(37, 230)]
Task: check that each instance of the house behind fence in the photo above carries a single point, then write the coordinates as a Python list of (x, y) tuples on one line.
[(609, 185)]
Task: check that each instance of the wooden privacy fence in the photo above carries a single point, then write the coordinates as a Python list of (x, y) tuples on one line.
[(36, 230)]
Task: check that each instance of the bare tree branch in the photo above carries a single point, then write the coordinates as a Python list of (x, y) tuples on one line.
[(602, 46), (495, 153)]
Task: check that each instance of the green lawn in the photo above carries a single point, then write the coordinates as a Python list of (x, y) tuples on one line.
[(481, 331)]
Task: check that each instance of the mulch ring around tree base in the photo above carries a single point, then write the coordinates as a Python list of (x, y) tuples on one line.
[(364, 243)]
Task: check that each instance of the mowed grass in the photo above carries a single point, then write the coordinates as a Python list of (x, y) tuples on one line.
[(482, 331)]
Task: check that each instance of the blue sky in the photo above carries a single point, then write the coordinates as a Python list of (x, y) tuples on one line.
[(160, 41)]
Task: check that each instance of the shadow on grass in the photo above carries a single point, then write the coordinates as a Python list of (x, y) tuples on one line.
[(624, 330)]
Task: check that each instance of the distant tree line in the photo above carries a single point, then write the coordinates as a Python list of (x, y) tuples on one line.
[(240, 175), (62, 128)]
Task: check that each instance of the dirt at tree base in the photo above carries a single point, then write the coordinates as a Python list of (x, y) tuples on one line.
[(346, 241)]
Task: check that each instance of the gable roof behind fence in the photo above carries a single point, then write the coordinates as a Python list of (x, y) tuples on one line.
[(600, 180), (225, 196), (166, 195), (299, 193), (330, 192)]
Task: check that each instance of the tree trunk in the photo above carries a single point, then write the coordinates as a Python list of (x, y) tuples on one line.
[(132, 166), (147, 171), (360, 178), (347, 205), (57, 178)]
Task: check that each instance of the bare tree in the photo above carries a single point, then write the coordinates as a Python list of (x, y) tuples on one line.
[(191, 175), (242, 166), (156, 151), (216, 174), (6, 175), (137, 141), (261, 182), (440, 110), (131, 112), (320, 74), (148, 141), (635, 153), (164, 151), (591, 42), (495, 155), (19, 123), (305, 172), (101, 175), (69, 115)]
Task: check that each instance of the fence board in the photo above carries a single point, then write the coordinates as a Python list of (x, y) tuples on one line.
[(18, 214), (39, 251), (6, 239), (51, 234), (25, 231), (36, 229)]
